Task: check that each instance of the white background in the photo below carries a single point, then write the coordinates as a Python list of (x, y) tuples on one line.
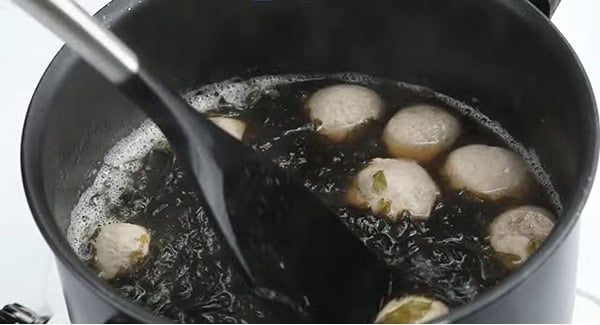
[(27, 271)]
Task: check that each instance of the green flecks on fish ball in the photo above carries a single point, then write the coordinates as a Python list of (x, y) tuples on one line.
[(390, 186), (517, 233), (411, 310)]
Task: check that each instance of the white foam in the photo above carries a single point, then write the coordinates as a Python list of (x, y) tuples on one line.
[(114, 176), (135, 146), (240, 93)]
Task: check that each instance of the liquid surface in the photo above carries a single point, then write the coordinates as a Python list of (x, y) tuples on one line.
[(187, 277)]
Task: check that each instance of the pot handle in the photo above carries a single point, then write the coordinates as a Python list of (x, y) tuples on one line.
[(546, 6), (19, 314)]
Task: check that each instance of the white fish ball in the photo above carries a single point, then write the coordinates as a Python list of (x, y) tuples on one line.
[(489, 172), (517, 233), (119, 247), (390, 187), (411, 310), (420, 132), (340, 109), (234, 127)]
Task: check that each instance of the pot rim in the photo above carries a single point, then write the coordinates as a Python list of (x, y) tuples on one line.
[(114, 11)]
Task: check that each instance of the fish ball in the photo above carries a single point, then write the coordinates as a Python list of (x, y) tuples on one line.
[(517, 233), (489, 172), (420, 132), (340, 109), (119, 247), (234, 127), (390, 187), (411, 310)]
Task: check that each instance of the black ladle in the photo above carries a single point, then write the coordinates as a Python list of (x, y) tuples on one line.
[(287, 243)]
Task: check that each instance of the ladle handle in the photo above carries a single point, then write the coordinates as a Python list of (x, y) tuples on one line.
[(84, 34), (194, 138)]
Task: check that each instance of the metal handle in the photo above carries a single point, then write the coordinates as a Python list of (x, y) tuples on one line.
[(94, 42), (18, 314), (553, 4), (546, 6)]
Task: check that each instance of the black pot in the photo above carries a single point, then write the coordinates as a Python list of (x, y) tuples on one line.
[(505, 53)]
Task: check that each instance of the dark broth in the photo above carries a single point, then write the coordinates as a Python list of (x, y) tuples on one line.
[(187, 277)]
